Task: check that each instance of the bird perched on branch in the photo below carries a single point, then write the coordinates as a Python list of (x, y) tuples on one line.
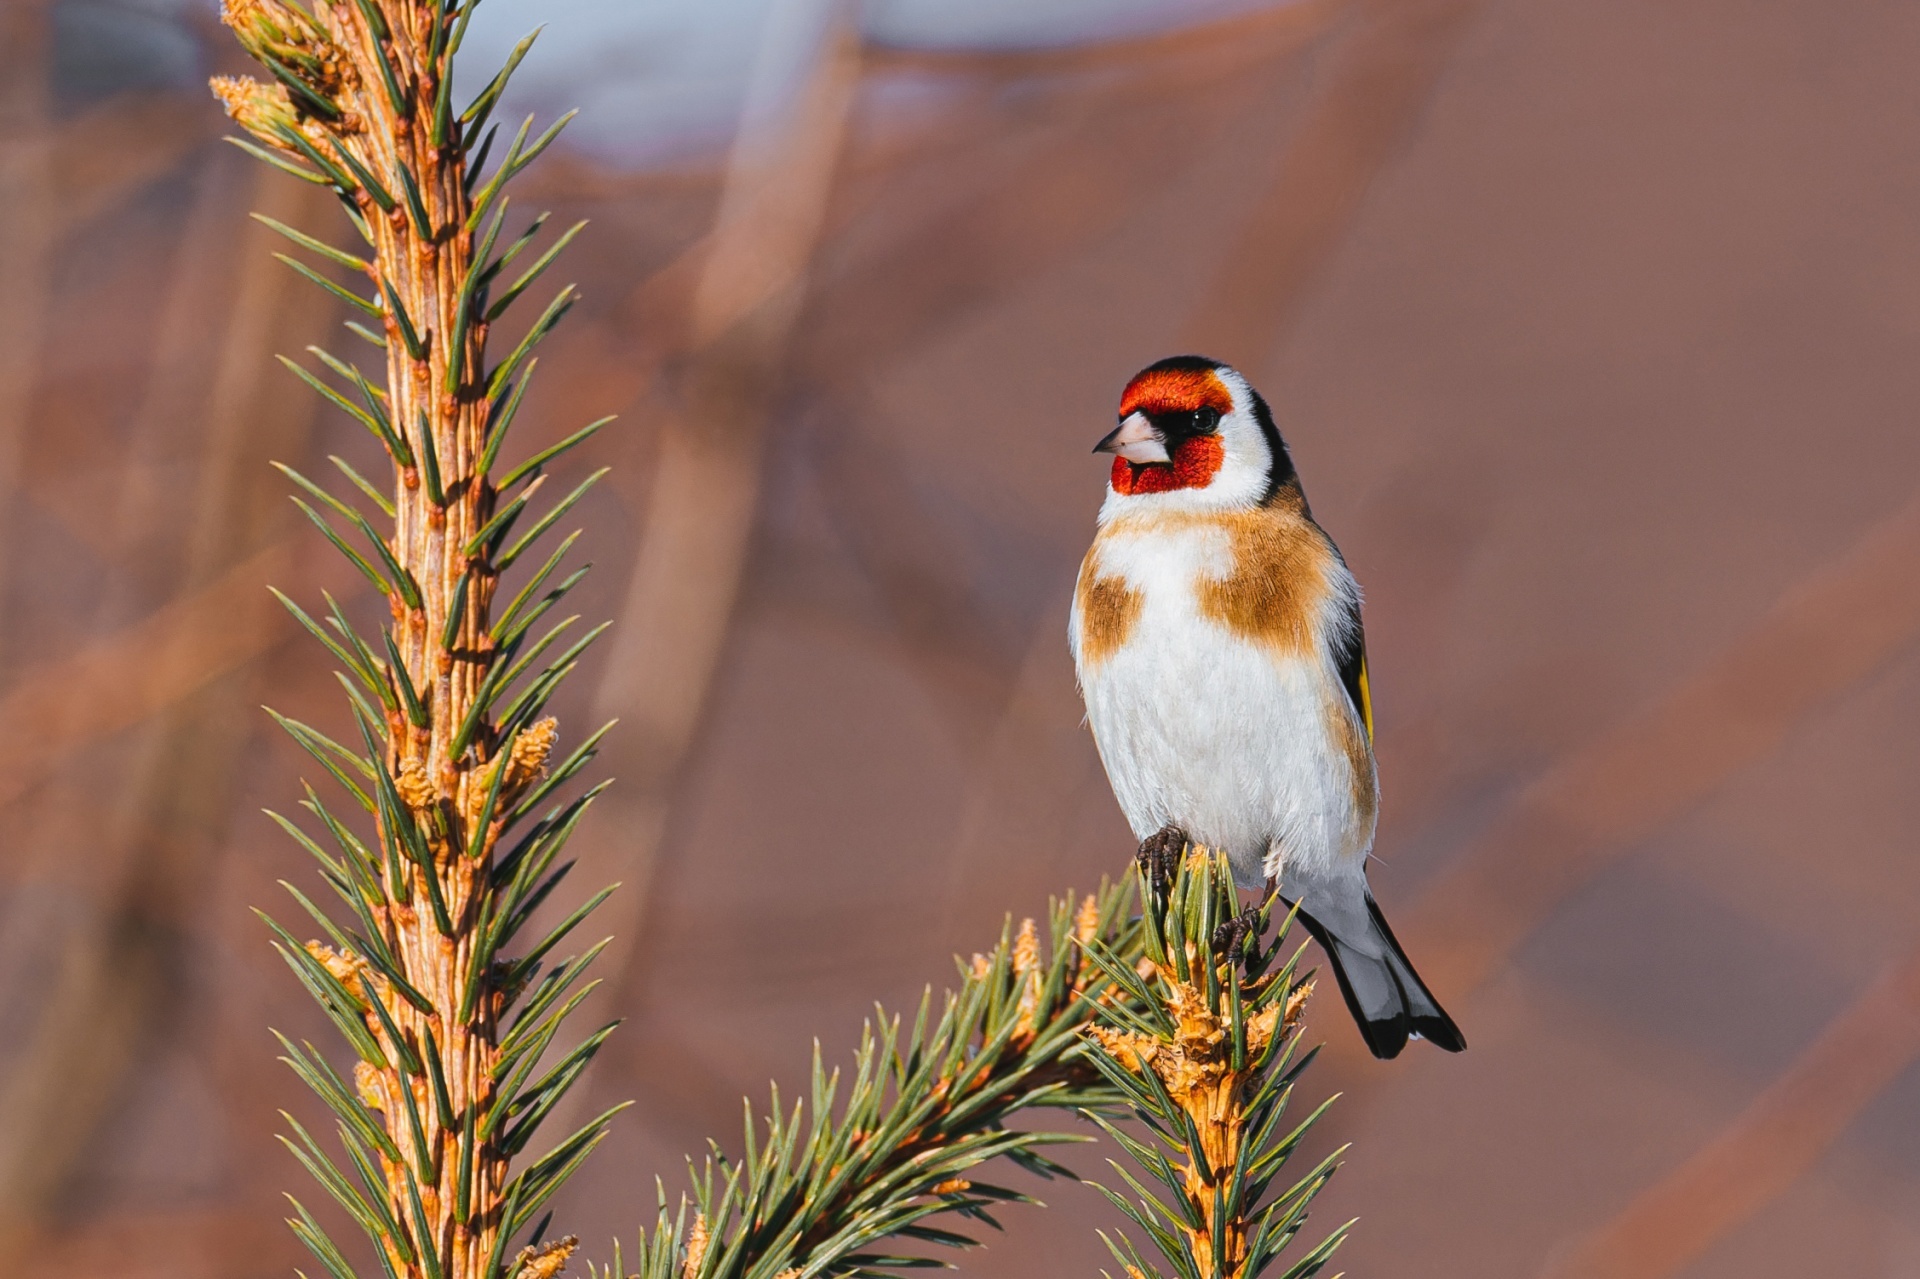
[(1216, 634)]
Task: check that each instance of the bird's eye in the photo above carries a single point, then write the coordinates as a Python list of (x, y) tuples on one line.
[(1205, 420)]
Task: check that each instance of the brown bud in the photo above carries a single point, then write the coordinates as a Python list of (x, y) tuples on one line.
[(1026, 949), (415, 787), (1086, 922), (371, 1086), (286, 34), (546, 1261), (696, 1247), (528, 755), (261, 109), (1026, 970), (346, 969)]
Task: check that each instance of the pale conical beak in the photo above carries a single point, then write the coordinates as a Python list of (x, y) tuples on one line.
[(1134, 440)]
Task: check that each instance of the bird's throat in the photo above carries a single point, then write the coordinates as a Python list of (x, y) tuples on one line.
[(1195, 463)]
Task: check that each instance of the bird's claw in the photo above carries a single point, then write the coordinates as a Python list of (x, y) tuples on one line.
[(1159, 857), (1230, 938)]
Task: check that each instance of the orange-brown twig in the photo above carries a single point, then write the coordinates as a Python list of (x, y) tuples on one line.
[(1199, 1053), (449, 696)]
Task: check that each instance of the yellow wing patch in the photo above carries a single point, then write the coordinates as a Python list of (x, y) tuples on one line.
[(1366, 699)]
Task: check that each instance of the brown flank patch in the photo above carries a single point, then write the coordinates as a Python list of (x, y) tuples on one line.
[(1277, 582), (1108, 610)]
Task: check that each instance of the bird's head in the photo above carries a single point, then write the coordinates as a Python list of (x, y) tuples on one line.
[(1194, 435)]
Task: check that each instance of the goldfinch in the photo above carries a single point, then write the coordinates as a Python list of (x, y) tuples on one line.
[(1216, 637)]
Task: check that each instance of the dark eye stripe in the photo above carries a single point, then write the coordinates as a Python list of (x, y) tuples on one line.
[(1184, 423)]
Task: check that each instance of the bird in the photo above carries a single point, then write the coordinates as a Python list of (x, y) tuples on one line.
[(1217, 642)]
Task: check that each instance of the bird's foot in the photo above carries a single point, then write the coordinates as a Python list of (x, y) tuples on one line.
[(1160, 855), (1230, 938)]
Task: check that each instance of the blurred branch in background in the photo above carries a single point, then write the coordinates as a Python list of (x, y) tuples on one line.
[(1042, 185), (106, 152), (1773, 1143), (1383, 76), (209, 626), (29, 216), (122, 967), (61, 707), (56, 176), (1828, 633), (701, 504)]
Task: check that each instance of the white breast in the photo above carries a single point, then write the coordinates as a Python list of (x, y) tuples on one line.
[(1214, 733)]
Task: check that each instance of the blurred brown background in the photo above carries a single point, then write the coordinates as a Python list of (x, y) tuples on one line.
[(1592, 329)]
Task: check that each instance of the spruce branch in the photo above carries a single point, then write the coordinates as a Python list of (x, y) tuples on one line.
[(1201, 1055), (826, 1182), (1173, 1018), (449, 1012)]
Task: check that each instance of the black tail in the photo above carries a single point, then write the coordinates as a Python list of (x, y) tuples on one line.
[(1388, 1000)]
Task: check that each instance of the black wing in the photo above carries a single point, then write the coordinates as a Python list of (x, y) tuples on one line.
[(1353, 667)]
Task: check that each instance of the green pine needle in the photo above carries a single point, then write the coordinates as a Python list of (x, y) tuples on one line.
[(397, 311), (540, 459), (344, 294), (312, 245), (533, 272)]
